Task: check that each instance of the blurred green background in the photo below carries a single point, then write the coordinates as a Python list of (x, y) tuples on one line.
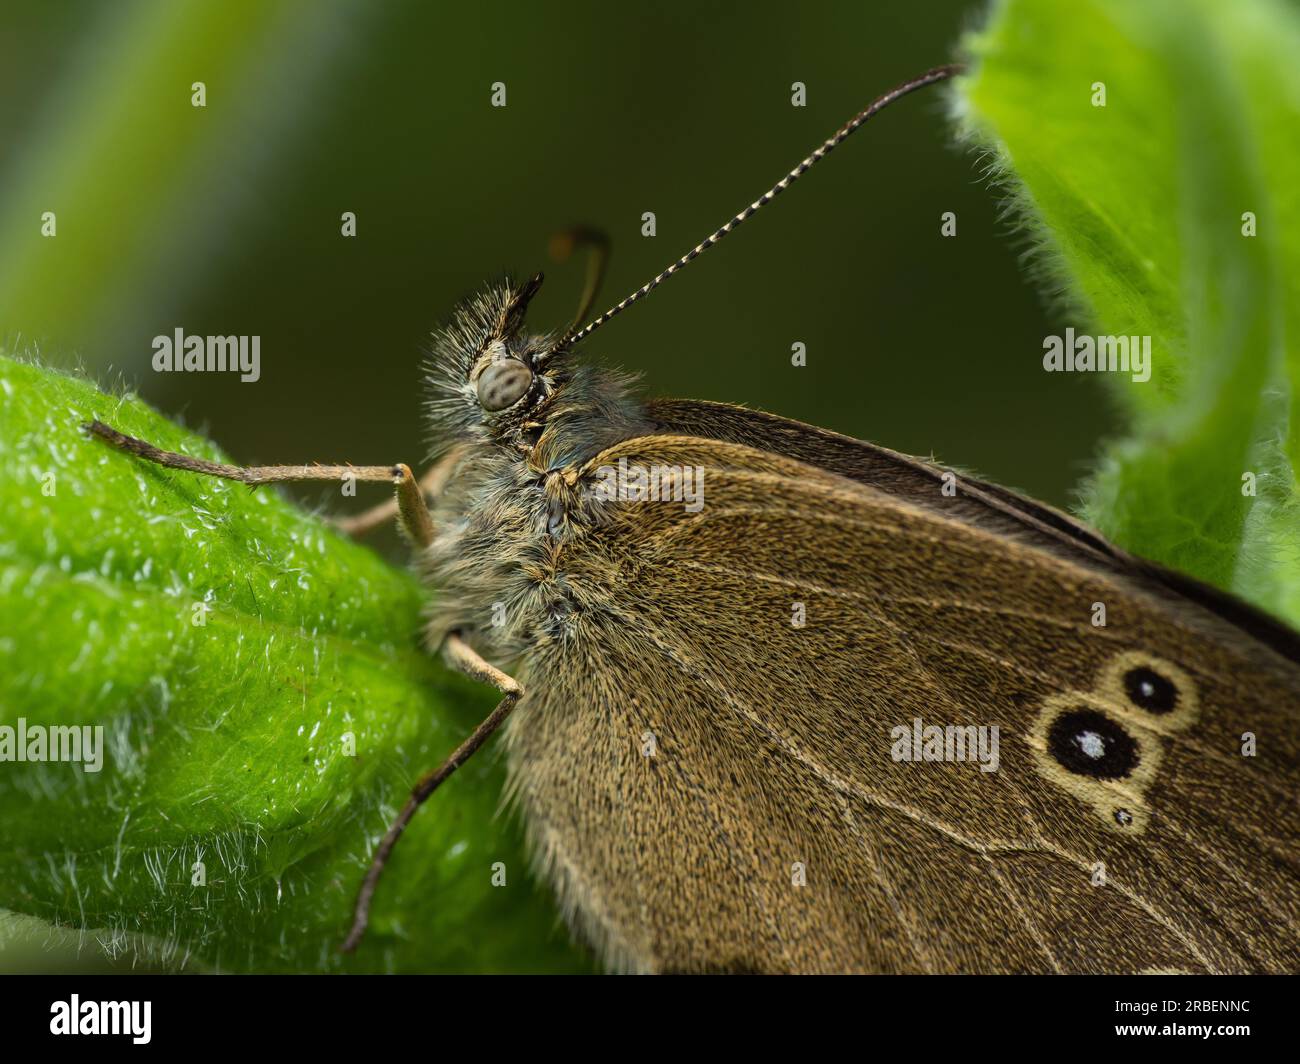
[(226, 219)]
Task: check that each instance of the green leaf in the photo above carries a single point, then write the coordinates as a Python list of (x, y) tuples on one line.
[(224, 742), (1136, 213)]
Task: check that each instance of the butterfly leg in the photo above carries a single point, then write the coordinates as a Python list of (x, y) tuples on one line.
[(461, 656), (431, 485), (408, 498), (596, 241)]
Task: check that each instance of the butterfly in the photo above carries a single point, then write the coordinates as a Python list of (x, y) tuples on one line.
[(778, 700)]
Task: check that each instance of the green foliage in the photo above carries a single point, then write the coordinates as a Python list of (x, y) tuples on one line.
[(1136, 213), (224, 742)]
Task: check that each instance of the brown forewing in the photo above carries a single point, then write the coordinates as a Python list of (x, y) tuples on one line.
[(771, 743)]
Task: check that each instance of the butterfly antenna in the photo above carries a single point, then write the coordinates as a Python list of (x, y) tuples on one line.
[(928, 78)]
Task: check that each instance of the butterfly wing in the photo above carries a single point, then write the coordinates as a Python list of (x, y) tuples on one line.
[(987, 505), (712, 759)]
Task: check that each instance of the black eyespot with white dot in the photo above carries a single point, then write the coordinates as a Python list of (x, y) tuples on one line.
[(1150, 690), (1089, 743)]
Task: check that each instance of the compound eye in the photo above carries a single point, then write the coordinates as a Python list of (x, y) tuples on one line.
[(503, 384)]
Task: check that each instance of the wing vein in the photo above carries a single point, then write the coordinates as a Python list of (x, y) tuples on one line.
[(1028, 921)]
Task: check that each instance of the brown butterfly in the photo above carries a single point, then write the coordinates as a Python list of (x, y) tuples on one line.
[(784, 701)]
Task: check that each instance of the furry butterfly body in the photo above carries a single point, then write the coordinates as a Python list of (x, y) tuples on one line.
[(710, 786)]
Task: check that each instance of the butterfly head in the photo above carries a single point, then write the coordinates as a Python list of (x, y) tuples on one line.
[(487, 375)]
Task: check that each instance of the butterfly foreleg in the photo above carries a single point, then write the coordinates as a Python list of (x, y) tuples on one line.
[(461, 656), (431, 485), (408, 497)]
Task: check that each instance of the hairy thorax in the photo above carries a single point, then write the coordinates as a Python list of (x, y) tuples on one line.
[(510, 525)]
